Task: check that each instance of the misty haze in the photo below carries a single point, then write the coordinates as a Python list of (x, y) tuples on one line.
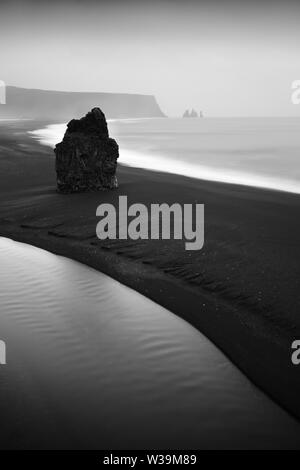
[(114, 343)]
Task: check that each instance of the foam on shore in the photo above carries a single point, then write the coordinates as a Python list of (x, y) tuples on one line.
[(54, 133)]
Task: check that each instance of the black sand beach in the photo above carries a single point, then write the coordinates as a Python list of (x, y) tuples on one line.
[(242, 290)]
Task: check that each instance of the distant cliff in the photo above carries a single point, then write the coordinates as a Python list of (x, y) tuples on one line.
[(63, 105)]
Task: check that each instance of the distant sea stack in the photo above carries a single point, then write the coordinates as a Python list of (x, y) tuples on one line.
[(61, 106), (86, 159), (192, 114)]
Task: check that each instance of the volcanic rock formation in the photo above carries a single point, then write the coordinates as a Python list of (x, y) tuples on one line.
[(86, 159)]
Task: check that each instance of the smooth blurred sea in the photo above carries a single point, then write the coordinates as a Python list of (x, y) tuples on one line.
[(93, 364), (260, 152)]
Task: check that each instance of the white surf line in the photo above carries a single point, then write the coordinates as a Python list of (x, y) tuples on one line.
[(54, 133)]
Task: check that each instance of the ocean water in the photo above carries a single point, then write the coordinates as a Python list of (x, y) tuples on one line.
[(260, 152), (93, 364)]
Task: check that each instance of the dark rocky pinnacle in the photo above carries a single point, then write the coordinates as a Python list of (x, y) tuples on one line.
[(86, 159)]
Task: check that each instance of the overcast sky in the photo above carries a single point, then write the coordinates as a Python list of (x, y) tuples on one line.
[(226, 58)]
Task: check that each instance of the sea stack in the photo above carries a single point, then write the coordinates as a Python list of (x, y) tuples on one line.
[(86, 159), (191, 114)]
